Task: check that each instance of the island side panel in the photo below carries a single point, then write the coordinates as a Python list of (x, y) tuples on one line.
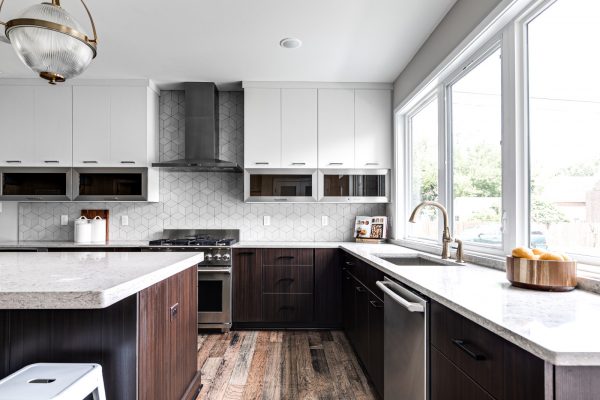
[(104, 336), (168, 334)]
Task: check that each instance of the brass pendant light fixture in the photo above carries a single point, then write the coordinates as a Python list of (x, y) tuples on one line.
[(51, 42)]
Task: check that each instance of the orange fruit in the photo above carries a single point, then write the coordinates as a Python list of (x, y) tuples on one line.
[(551, 257), (523, 252)]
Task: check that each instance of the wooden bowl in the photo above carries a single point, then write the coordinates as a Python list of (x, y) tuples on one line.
[(552, 276)]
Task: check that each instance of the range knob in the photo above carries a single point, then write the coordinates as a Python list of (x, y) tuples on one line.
[(208, 257), (217, 257), (226, 257)]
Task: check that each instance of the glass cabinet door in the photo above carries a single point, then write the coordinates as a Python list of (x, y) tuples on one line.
[(354, 187)]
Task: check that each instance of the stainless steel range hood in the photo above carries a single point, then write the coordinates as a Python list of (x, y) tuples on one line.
[(201, 133)]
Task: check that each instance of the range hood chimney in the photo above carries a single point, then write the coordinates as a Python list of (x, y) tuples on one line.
[(201, 132)]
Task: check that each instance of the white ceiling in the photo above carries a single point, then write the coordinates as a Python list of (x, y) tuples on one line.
[(225, 41)]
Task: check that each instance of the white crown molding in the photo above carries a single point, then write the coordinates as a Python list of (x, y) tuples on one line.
[(318, 85)]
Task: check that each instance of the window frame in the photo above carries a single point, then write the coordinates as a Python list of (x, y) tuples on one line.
[(481, 55), (408, 167), (507, 25)]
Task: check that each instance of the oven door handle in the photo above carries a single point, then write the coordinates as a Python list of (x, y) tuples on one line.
[(214, 270)]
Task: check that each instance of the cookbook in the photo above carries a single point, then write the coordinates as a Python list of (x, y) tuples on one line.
[(370, 227)]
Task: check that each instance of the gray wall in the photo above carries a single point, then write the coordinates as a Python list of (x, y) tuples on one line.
[(200, 200), (462, 18)]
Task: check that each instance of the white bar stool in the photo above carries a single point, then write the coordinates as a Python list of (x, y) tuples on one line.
[(54, 382)]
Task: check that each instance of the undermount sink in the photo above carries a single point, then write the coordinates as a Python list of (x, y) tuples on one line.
[(412, 260)]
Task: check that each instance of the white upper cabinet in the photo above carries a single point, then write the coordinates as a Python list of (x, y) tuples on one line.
[(128, 126), (91, 126), (262, 128), (114, 126), (17, 126), (336, 128), (373, 129), (299, 128), (53, 126)]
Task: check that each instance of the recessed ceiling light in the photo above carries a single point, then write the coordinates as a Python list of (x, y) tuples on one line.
[(290, 43)]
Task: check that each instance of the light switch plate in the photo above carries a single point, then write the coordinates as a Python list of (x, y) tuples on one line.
[(64, 220), (124, 220), (324, 220), (266, 220)]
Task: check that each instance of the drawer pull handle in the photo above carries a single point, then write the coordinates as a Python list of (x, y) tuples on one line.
[(298, 163), (286, 257), (51, 162), (246, 253), (13, 161), (286, 280), (461, 344), (287, 308), (376, 304)]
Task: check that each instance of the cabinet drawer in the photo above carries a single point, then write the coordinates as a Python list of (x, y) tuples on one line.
[(288, 279), (287, 256), (475, 350), (287, 307), (356, 267), (449, 383)]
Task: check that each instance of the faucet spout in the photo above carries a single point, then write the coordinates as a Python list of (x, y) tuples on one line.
[(446, 237)]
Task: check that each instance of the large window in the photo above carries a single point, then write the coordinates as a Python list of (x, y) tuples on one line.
[(423, 130), (564, 127), (517, 160), (476, 119)]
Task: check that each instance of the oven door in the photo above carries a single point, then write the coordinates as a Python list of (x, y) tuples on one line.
[(214, 296)]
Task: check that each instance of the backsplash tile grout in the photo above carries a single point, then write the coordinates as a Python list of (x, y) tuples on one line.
[(200, 199)]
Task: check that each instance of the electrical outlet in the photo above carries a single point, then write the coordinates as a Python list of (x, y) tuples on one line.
[(64, 220), (124, 220), (324, 220), (266, 220)]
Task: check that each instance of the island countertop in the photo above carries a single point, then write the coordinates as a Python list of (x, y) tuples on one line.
[(67, 280)]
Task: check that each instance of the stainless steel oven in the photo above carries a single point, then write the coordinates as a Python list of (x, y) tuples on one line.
[(214, 298)]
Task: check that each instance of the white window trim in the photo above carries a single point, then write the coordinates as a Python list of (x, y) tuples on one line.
[(460, 72), (507, 23), (408, 138)]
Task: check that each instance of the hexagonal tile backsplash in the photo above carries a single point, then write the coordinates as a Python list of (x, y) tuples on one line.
[(200, 199)]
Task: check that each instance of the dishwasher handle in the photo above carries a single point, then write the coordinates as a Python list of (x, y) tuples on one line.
[(412, 307)]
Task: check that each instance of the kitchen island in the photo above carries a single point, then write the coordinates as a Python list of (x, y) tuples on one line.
[(132, 313)]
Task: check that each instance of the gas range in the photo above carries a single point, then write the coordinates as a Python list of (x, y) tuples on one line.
[(214, 243), (214, 273)]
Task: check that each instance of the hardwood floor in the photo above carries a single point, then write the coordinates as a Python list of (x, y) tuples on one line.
[(280, 365)]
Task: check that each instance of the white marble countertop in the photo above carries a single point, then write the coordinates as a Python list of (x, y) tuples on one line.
[(58, 244), (70, 280)]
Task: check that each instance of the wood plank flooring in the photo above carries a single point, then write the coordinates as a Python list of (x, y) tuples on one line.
[(280, 365)]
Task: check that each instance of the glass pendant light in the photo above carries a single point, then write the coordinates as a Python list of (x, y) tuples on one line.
[(51, 42)]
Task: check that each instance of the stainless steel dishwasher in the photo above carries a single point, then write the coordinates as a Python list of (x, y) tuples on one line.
[(406, 343)]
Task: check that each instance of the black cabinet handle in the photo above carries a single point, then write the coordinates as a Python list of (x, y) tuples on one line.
[(245, 253), (286, 280), (464, 346), (287, 308), (174, 310), (376, 304), (286, 257)]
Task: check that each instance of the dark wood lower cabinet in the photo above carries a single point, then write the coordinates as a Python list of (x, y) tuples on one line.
[(375, 366), (450, 383), (145, 343), (363, 318), (247, 285), (286, 288)]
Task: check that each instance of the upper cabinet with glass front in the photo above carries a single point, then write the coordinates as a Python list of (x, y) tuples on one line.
[(87, 123)]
